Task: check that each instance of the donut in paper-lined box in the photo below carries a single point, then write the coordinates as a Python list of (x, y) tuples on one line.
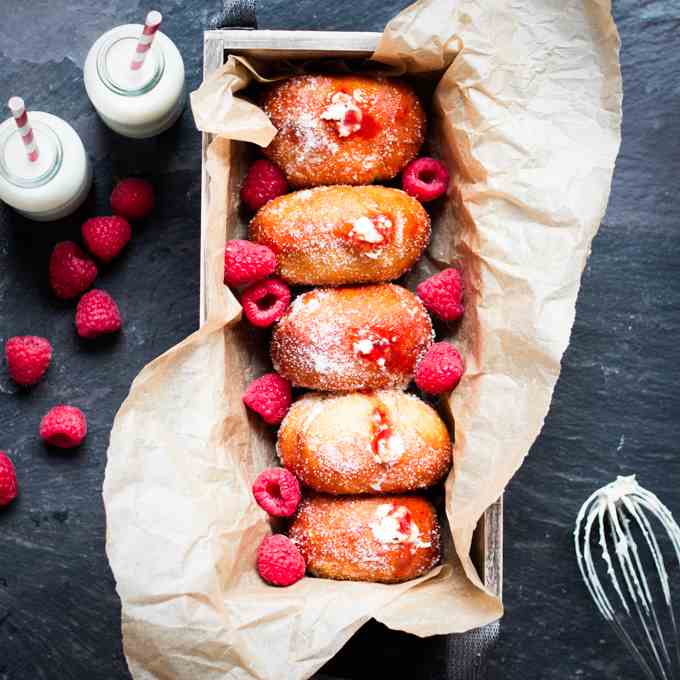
[(386, 441), (385, 539), (355, 338), (343, 129), (337, 235)]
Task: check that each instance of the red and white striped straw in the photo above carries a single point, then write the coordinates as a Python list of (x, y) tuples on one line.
[(18, 109), (153, 21)]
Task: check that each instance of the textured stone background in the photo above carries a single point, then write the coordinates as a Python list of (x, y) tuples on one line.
[(615, 410)]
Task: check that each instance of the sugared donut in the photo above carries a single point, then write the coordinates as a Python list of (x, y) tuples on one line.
[(364, 443), (385, 539), (343, 129), (343, 234), (342, 339)]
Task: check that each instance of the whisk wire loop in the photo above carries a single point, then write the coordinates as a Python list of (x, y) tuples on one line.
[(612, 517)]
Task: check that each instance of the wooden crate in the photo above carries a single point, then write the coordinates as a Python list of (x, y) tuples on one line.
[(487, 549)]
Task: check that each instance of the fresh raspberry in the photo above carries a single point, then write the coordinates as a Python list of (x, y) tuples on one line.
[(277, 492), (97, 314), (105, 237), (270, 397), (279, 562), (265, 302), (28, 358), (425, 179), (64, 427), (246, 262), (71, 271), (132, 198), (442, 294), (263, 182), (440, 369), (8, 480)]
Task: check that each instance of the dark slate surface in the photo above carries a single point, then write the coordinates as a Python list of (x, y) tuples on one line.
[(615, 410)]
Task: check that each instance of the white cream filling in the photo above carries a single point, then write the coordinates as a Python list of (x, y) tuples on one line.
[(363, 346), (364, 229), (390, 449), (341, 104), (386, 528)]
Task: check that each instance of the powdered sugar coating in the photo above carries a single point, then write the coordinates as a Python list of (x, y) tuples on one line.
[(316, 145), (336, 537), (342, 234), (311, 144), (314, 345), (364, 442)]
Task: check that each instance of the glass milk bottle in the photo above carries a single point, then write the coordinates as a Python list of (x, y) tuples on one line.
[(134, 77), (45, 173)]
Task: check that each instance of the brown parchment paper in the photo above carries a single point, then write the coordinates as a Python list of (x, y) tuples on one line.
[(527, 107)]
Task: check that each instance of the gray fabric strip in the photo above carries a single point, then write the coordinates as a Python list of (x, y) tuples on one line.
[(235, 14), (468, 653)]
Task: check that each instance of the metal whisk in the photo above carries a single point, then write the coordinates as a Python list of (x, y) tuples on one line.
[(614, 515)]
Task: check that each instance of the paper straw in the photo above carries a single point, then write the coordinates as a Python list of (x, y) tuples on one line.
[(153, 21), (18, 109)]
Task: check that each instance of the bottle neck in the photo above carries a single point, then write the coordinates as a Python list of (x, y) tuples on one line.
[(113, 64), (17, 169)]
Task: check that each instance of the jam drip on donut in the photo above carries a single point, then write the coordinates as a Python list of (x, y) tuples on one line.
[(344, 112), (386, 444), (405, 522), (348, 117), (393, 524), (382, 346), (380, 429), (369, 127), (372, 345)]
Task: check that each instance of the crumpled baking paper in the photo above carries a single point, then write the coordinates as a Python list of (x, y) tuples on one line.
[(527, 108)]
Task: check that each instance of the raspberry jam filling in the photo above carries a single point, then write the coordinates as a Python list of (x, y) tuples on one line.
[(349, 119), (380, 426), (344, 112), (394, 524), (372, 346), (386, 444), (384, 346), (369, 127)]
